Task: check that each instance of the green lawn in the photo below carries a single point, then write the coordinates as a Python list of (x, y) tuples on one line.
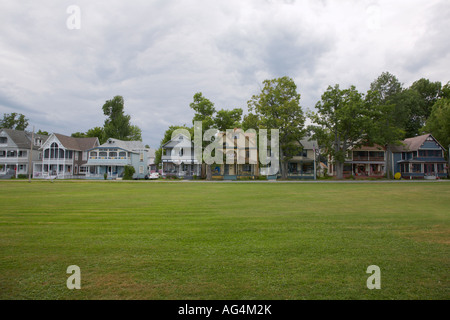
[(181, 240)]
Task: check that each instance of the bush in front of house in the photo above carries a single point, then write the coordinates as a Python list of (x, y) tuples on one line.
[(128, 173)]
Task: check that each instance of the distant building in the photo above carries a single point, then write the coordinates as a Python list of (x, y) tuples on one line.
[(420, 157), (363, 161), (64, 157), (240, 156), (178, 158), (302, 165), (112, 157), (151, 156), (15, 146)]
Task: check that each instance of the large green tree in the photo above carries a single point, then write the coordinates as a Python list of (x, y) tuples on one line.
[(340, 123), (204, 111), (228, 119), (97, 132), (16, 121), (381, 127), (277, 106), (429, 93), (438, 124), (118, 125)]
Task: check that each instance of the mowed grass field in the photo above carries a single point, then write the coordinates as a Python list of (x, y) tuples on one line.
[(187, 240)]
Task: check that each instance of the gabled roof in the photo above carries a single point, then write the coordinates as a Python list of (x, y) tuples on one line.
[(175, 142), (125, 145), (413, 144), (23, 138), (77, 144)]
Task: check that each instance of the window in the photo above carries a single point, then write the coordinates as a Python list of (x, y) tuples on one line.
[(2, 153), (103, 154), (141, 169), (302, 153), (122, 155), (38, 142), (22, 154), (417, 168), (84, 156), (93, 154), (292, 167), (141, 157), (430, 153), (247, 168), (76, 155), (83, 169), (113, 155), (3, 140), (440, 167)]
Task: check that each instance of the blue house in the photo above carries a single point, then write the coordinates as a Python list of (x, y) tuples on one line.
[(420, 157), (112, 157)]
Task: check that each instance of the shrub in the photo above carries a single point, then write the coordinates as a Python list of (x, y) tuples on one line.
[(22, 176), (105, 176), (128, 173)]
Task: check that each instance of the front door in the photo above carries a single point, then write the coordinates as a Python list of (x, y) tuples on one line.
[(429, 169)]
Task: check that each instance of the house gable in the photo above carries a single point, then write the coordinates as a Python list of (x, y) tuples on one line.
[(6, 141), (50, 141), (179, 141), (431, 144)]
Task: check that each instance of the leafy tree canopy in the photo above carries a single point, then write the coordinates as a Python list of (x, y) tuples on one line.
[(16, 121)]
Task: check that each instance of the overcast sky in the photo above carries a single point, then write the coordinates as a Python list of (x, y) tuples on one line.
[(158, 54)]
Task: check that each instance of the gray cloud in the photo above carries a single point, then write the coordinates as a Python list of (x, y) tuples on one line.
[(158, 54)]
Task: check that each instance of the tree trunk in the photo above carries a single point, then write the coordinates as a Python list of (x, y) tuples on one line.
[(208, 172), (387, 166), (339, 169), (283, 165), (284, 171)]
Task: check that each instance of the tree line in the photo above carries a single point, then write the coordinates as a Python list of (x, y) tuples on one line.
[(344, 117)]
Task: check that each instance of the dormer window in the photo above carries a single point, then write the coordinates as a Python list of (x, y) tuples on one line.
[(38, 142), (180, 138)]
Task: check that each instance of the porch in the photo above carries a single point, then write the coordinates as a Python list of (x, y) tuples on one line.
[(300, 170), (182, 170)]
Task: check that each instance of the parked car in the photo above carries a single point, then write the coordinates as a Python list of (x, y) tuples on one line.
[(154, 175)]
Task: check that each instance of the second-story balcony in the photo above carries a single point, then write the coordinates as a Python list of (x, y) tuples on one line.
[(107, 160), (368, 156)]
